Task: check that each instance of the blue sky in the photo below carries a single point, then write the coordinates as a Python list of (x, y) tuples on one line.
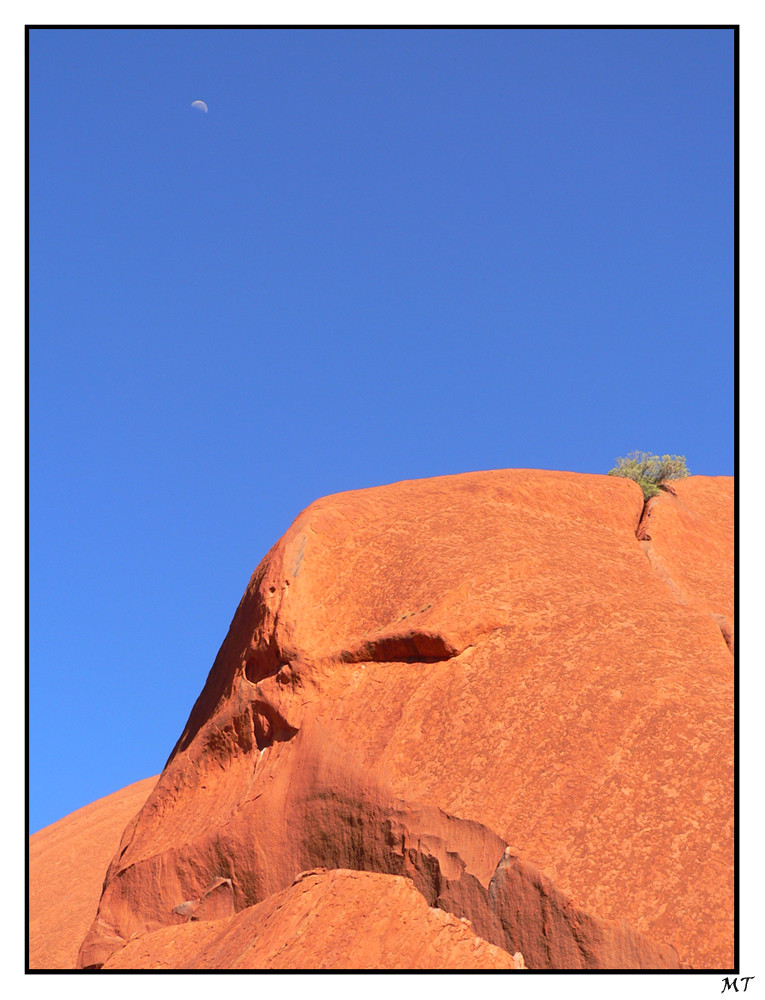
[(381, 255)]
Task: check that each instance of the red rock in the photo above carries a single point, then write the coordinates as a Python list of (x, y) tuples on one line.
[(325, 920), (67, 864), (421, 675), (688, 537), (555, 934), (216, 901)]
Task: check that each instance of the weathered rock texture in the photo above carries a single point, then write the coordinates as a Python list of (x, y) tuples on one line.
[(67, 861), (325, 920), (485, 683), (694, 561)]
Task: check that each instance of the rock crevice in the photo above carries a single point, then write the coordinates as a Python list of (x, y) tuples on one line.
[(670, 530)]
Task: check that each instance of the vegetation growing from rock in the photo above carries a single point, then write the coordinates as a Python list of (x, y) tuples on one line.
[(650, 472)]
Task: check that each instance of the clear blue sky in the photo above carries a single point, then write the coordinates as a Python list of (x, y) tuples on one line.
[(381, 255)]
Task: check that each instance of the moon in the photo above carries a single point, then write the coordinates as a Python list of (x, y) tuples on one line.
[(200, 105)]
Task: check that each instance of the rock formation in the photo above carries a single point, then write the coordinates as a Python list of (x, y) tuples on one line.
[(67, 861), (511, 689), (336, 919)]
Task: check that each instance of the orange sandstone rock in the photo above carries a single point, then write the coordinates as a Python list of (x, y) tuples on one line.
[(688, 537), (422, 675), (325, 920), (67, 863)]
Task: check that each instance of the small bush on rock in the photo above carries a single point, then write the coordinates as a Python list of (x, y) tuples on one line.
[(649, 471)]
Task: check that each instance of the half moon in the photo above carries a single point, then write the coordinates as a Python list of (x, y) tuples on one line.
[(200, 105)]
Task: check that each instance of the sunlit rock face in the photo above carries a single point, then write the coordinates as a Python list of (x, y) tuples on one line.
[(67, 861), (512, 689), (327, 919)]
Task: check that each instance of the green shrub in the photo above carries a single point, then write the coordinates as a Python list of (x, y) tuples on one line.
[(649, 471)]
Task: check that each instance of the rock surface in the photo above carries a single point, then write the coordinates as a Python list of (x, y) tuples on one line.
[(67, 862), (688, 538), (325, 920), (494, 684)]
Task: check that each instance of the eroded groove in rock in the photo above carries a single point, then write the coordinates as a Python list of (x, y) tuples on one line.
[(660, 569), (641, 532), (643, 535), (689, 553), (403, 647), (726, 630)]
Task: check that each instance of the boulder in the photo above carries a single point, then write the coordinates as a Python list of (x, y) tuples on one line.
[(423, 676)]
